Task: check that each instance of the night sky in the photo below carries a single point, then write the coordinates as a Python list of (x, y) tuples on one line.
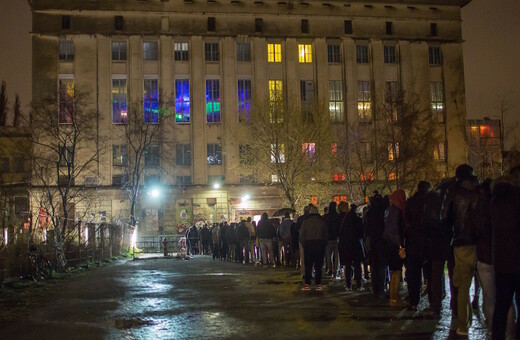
[(491, 54)]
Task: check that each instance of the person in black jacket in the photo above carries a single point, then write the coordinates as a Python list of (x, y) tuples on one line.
[(460, 212), (505, 224), (415, 240), (374, 224), (331, 251), (314, 237), (266, 232), (205, 238), (351, 249)]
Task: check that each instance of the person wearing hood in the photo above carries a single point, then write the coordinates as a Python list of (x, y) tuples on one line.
[(393, 236), (461, 213), (331, 251), (314, 237)]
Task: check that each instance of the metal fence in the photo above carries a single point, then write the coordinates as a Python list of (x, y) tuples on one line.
[(154, 244)]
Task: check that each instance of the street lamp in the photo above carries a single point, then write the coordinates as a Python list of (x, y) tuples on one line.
[(216, 186)]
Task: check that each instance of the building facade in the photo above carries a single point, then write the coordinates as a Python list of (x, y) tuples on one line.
[(211, 60), (486, 146)]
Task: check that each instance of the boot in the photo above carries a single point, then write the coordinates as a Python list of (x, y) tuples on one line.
[(395, 285)]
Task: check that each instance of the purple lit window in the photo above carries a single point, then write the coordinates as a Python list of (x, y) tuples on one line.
[(151, 101), (212, 101), (182, 101), (119, 111), (244, 99)]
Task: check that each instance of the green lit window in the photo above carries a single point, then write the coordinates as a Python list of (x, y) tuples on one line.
[(212, 101)]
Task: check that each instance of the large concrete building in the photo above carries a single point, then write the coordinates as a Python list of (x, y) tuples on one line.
[(216, 57)]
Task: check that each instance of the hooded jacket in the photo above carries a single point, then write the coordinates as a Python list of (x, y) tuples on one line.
[(314, 231)]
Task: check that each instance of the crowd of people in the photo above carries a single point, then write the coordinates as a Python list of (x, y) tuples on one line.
[(471, 228)]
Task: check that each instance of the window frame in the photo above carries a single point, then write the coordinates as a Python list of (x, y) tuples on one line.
[(180, 98), (305, 53), (151, 54), (183, 154), (244, 90), (65, 99), (437, 97), (181, 51), (336, 101), (211, 51), (390, 54), (434, 56), (333, 53), (117, 100), (243, 53), (152, 155), (119, 155), (364, 96), (362, 54), (214, 150), (66, 50), (274, 52), (117, 51), (213, 101), (153, 100)]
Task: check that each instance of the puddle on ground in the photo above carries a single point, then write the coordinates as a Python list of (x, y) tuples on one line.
[(131, 323)]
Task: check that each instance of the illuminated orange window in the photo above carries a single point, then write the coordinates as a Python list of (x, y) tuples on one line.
[(339, 177), (336, 199), (334, 148), (391, 176), (314, 200), (367, 176)]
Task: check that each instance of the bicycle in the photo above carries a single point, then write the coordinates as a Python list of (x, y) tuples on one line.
[(39, 266)]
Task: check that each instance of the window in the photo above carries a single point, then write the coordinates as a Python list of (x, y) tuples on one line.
[(393, 151), (211, 51), (150, 50), (336, 101), (118, 50), (150, 180), (363, 99), (245, 154), (211, 24), (5, 164), (212, 101), (180, 52), (362, 54), (333, 52), (305, 53), (151, 101), (65, 22), (307, 97), (367, 176), (277, 153), (390, 54), (437, 100), (186, 180), (365, 149), (274, 178), (244, 98), (391, 100), (118, 23), (275, 101), (334, 149), (118, 180), (183, 154), (434, 30), (66, 100), (19, 164), (305, 26), (389, 28), (439, 151), (339, 198), (119, 99), (152, 155), (314, 200), (182, 101), (66, 156), (66, 50), (348, 27), (119, 155), (214, 154), (218, 179), (339, 177), (434, 55), (274, 53), (309, 151), (243, 52), (259, 25)]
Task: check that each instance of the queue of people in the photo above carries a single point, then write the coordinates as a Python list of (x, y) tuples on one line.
[(471, 228)]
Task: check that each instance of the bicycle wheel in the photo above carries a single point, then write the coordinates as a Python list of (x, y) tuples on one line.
[(45, 268)]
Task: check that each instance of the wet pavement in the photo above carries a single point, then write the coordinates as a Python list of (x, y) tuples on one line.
[(168, 298)]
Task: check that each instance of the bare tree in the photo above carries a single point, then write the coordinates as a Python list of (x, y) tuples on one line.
[(17, 111), (65, 150), (289, 148)]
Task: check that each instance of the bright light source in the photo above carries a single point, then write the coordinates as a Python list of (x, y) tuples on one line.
[(216, 186), (154, 193), (134, 238), (245, 198)]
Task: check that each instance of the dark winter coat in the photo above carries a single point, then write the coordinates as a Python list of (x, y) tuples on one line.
[(505, 221), (438, 233), (374, 223), (351, 239), (332, 220), (242, 232), (484, 228), (460, 212), (205, 234), (231, 234), (314, 231), (394, 226), (415, 235), (265, 229)]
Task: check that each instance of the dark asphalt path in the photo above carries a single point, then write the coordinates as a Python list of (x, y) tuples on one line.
[(207, 299)]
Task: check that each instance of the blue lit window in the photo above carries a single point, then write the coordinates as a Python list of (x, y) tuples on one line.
[(182, 101), (244, 99), (151, 101), (119, 95), (212, 101)]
